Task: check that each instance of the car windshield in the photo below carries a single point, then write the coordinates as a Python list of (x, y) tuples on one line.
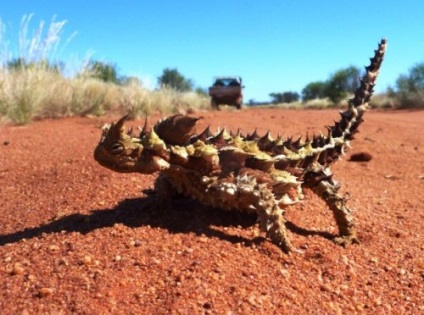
[(226, 82)]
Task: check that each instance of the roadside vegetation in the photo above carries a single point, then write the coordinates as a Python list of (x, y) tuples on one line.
[(34, 85), (408, 91)]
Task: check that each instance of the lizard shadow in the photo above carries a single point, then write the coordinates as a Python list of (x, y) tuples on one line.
[(182, 216)]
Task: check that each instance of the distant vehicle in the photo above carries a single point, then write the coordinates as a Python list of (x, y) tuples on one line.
[(226, 90)]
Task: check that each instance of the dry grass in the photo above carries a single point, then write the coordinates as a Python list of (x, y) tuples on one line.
[(32, 93), (35, 89), (40, 91), (319, 103), (384, 101), (138, 101)]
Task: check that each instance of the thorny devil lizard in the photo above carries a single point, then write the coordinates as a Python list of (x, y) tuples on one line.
[(246, 173)]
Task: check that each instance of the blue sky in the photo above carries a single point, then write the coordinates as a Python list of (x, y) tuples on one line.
[(274, 45)]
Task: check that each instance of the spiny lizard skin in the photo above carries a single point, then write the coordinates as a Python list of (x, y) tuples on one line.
[(245, 173)]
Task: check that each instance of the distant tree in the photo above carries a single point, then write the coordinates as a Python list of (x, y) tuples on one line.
[(103, 71), (21, 64), (410, 88), (16, 64), (341, 83), (285, 97), (201, 91), (175, 80), (314, 90)]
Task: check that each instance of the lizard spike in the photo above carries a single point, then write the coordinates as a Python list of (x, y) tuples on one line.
[(290, 144), (315, 141), (253, 136), (330, 139), (177, 129), (220, 134), (233, 158), (153, 142), (268, 135), (219, 139), (143, 131), (297, 143), (322, 140), (204, 135), (238, 133), (263, 164), (279, 138), (117, 129), (266, 142), (307, 141)]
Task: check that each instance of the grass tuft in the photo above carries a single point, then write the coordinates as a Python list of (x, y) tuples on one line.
[(33, 87)]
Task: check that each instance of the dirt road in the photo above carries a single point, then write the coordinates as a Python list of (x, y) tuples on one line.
[(78, 238)]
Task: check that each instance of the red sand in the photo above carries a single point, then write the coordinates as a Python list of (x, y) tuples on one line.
[(78, 238)]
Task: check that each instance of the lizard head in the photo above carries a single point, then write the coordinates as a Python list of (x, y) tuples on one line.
[(119, 151)]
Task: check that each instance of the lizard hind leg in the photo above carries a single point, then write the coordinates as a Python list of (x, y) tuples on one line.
[(327, 189), (270, 215)]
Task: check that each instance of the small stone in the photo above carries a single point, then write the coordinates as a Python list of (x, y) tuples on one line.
[(361, 157), (86, 260), (285, 273), (118, 258), (53, 247), (374, 260), (207, 305), (390, 176), (203, 239), (17, 269), (360, 307), (31, 277), (252, 300), (44, 292)]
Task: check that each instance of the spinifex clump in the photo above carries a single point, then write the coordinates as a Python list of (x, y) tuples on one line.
[(245, 173)]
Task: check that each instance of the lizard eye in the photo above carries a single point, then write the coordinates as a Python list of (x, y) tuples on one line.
[(116, 148)]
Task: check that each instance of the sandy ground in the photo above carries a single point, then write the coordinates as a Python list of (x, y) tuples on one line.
[(78, 238)]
